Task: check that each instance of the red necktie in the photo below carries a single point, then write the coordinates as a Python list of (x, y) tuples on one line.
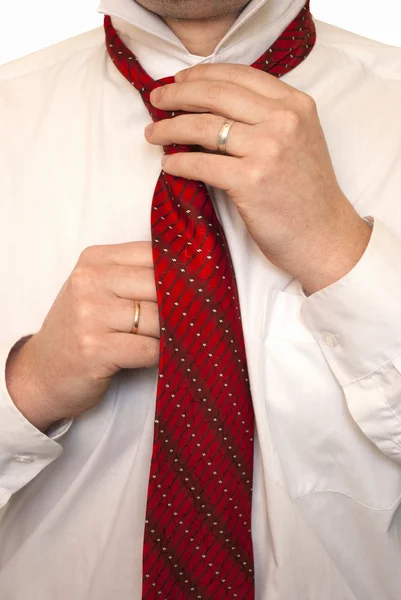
[(197, 540)]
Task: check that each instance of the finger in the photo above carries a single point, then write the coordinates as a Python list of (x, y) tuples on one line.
[(202, 130), (251, 78), (129, 351), (134, 283), (222, 172), (218, 97), (128, 253), (119, 317)]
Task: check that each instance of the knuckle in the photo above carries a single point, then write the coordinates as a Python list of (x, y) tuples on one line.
[(87, 346), (256, 175), (83, 311), (81, 277), (235, 72), (307, 102), (197, 71), (273, 149), (291, 120), (215, 91), (89, 253)]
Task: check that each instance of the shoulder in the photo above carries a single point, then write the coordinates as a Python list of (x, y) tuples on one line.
[(51, 82), (46, 62), (380, 59)]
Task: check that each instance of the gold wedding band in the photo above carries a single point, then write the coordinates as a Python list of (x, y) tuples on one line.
[(137, 310), (223, 135)]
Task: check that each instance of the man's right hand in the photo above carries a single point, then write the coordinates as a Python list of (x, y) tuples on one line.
[(65, 368)]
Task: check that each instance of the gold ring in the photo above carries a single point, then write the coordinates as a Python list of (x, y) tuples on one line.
[(137, 310), (223, 135)]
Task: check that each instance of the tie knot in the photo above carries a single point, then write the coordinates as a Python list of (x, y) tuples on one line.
[(287, 52)]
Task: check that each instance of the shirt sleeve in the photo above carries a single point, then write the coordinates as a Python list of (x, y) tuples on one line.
[(24, 450), (357, 323)]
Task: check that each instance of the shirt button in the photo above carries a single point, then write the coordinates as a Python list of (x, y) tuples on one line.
[(23, 459), (331, 339)]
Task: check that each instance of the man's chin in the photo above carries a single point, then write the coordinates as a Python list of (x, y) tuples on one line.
[(193, 9)]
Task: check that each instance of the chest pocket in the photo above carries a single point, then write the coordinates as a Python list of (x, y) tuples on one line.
[(317, 446)]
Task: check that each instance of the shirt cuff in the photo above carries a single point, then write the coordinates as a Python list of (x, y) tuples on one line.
[(357, 320), (24, 450)]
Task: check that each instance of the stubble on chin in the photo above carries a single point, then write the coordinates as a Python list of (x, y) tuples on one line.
[(193, 9)]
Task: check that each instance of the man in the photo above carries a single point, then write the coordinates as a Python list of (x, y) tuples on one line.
[(301, 160)]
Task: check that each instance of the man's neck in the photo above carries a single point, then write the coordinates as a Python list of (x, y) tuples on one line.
[(200, 37)]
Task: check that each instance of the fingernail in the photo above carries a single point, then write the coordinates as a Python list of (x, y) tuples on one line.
[(156, 95), (149, 129)]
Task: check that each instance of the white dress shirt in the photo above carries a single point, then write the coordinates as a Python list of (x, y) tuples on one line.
[(325, 371)]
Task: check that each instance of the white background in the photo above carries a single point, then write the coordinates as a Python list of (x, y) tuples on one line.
[(28, 25)]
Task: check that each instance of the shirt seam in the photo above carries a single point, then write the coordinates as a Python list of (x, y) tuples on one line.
[(387, 405), (306, 494), (391, 360)]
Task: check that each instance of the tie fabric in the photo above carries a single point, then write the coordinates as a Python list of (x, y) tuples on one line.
[(197, 538)]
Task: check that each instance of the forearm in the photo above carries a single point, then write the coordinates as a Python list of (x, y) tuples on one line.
[(24, 450), (334, 257), (24, 392)]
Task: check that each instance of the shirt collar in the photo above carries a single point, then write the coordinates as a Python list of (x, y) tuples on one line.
[(259, 13)]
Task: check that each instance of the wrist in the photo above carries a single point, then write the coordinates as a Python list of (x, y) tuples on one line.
[(335, 256), (24, 389)]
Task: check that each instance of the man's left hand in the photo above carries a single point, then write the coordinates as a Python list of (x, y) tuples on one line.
[(277, 171)]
